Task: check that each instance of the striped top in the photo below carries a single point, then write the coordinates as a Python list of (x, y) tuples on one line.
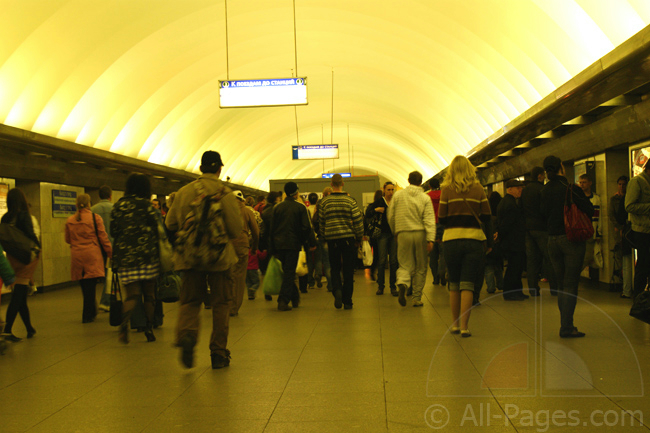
[(339, 217), (457, 218)]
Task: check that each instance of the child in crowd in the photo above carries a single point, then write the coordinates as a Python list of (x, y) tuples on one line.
[(253, 273)]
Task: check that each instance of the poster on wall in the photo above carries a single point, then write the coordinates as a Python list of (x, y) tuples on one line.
[(64, 203), (4, 189), (639, 159)]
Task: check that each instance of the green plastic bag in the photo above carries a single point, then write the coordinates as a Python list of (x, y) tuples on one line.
[(273, 277)]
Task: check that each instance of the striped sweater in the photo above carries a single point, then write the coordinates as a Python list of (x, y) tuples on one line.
[(339, 217), (457, 218)]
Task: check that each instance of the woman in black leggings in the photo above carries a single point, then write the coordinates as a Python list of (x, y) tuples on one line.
[(19, 216)]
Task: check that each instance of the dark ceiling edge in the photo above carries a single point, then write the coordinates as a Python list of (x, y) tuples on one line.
[(634, 49), (70, 150)]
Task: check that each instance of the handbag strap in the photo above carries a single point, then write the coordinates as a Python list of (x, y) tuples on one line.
[(115, 287), (473, 213)]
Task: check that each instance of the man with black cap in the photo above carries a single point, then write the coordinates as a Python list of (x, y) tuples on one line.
[(341, 225), (511, 229), (195, 281), (536, 235), (290, 230), (566, 256)]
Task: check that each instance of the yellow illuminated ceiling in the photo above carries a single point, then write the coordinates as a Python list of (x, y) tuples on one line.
[(415, 82)]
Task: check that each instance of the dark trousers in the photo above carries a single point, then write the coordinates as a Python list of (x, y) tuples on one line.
[(288, 291), (514, 271), (88, 286), (343, 255), (642, 268), (18, 305), (537, 256), (387, 251), (567, 258)]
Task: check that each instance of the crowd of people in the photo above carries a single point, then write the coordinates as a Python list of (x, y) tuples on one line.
[(223, 243)]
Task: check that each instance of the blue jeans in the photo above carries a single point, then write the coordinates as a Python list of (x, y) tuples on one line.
[(322, 266), (437, 261), (387, 250), (537, 255), (252, 281), (494, 277), (567, 258), (289, 291)]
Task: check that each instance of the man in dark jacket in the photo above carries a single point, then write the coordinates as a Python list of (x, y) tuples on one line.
[(511, 229), (290, 230), (566, 256), (536, 235)]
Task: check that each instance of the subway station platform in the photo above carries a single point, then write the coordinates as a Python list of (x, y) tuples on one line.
[(378, 367)]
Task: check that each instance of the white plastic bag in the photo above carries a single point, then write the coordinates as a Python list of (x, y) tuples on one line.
[(367, 253), (301, 267)]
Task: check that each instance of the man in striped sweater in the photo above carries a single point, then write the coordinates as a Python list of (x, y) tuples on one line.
[(341, 225), (413, 222)]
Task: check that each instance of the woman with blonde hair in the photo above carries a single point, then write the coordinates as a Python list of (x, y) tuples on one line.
[(463, 210), (85, 233)]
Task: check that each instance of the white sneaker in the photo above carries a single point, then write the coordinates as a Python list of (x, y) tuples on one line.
[(417, 303), (105, 308)]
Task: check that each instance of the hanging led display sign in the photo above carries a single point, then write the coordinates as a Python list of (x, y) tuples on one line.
[(263, 93), (315, 151)]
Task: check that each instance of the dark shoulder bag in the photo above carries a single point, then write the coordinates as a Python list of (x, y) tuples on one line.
[(115, 314)]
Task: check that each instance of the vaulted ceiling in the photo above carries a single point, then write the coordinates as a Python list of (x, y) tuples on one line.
[(409, 84)]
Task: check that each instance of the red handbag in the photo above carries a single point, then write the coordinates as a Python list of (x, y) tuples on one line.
[(577, 224)]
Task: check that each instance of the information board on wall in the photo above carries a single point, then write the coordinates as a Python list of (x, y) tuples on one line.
[(330, 175), (263, 93), (64, 203), (315, 151)]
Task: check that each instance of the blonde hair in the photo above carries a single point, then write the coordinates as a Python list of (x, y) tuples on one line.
[(461, 174), (83, 202)]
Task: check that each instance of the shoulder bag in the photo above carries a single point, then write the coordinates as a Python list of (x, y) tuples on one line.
[(641, 307), (115, 314), (577, 224)]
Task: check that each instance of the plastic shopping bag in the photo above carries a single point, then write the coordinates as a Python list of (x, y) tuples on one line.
[(273, 277), (367, 253), (301, 267)]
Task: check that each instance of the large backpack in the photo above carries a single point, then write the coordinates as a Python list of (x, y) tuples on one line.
[(203, 242)]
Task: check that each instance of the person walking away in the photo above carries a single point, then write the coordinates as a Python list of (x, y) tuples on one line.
[(341, 225), (566, 256), (18, 215), (622, 249), (637, 205), (411, 218), (386, 243), (322, 267), (436, 256), (103, 209), (511, 236), (536, 235), (205, 202), (272, 199), (494, 259), (290, 231), (247, 241), (85, 233), (463, 206), (594, 244), (136, 257)]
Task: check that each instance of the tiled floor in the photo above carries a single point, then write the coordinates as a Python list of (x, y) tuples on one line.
[(379, 367)]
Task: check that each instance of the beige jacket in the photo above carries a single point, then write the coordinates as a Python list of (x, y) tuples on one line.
[(181, 207)]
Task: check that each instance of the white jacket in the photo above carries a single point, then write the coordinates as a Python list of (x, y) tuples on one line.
[(411, 210)]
